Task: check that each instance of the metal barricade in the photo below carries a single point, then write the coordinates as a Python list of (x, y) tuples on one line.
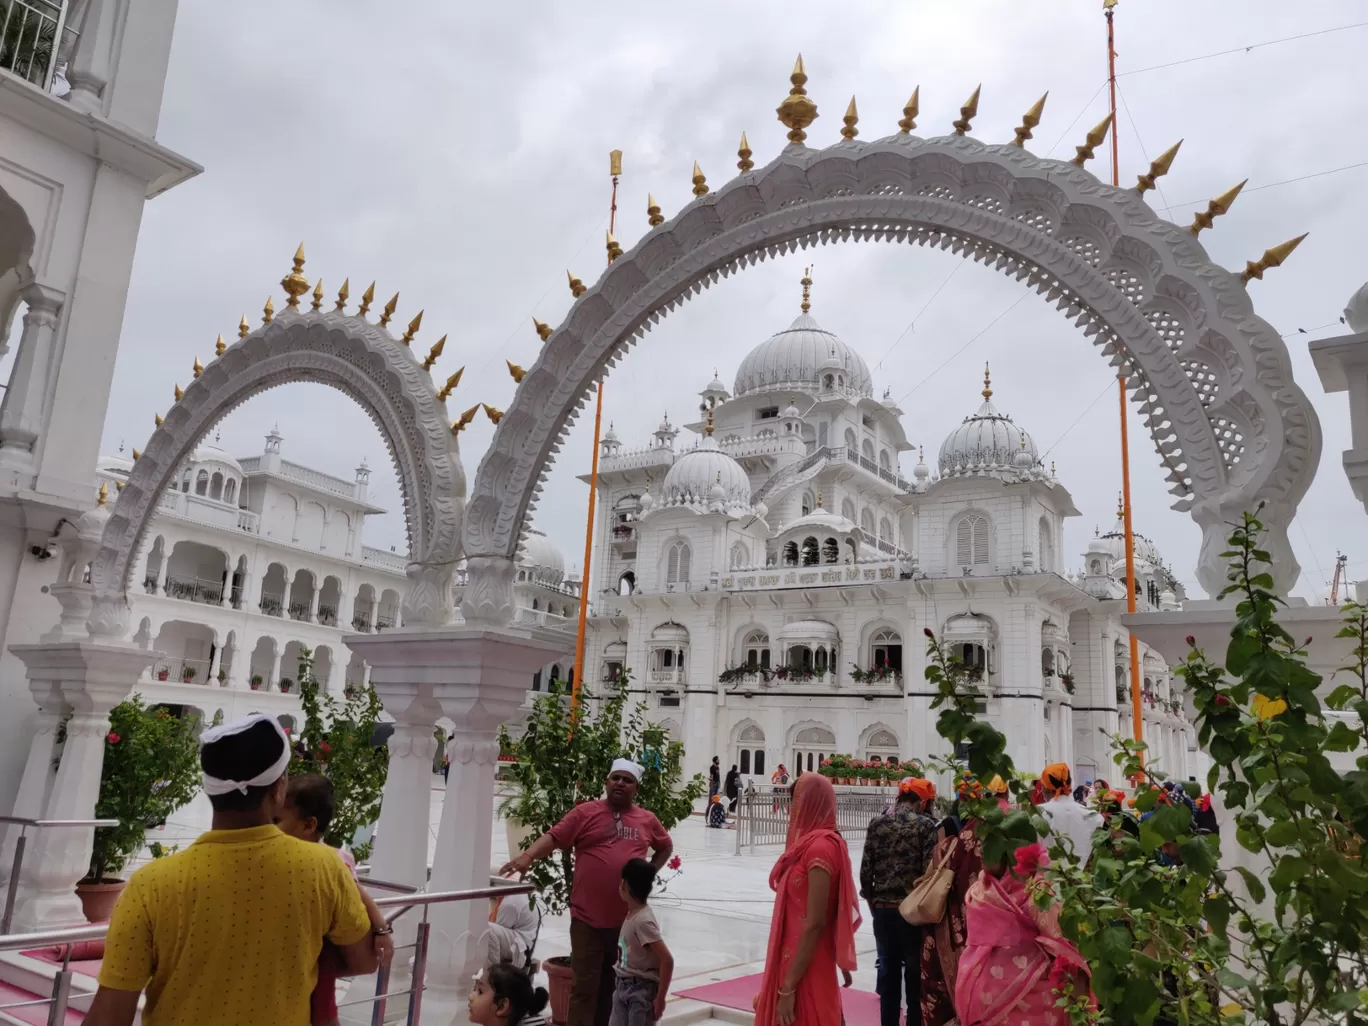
[(21, 842), (762, 816)]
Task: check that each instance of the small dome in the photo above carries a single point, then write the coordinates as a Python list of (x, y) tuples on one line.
[(611, 438), (987, 442), (1145, 550), (647, 500), (1168, 601), (1356, 313), (1097, 546), (716, 384), (665, 425), (791, 412), (115, 466), (921, 471), (539, 553), (694, 475), (820, 520), (210, 452), (796, 358)]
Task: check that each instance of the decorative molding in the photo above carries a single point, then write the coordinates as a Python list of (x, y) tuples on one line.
[(1212, 380)]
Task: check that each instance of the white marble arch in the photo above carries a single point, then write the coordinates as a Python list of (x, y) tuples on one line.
[(1212, 379), (356, 357)]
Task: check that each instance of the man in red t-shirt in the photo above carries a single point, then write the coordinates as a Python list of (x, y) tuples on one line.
[(604, 835)]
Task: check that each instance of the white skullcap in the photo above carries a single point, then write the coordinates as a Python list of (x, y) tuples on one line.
[(214, 785), (627, 766)]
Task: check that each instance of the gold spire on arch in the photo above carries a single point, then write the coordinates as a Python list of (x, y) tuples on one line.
[(294, 283), (806, 282), (796, 111)]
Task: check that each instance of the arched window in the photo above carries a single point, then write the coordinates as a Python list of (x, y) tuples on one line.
[(809, 503), (829, 381), (740, 556), (810, 746), (1047, 662), (971, 540), (848, 509), (790, 553), (535, 605), (1047, 548), (884, 461), (751, 750), (755, 650), (1121, 686), (536, 681), (810, 555), (627, 583), (867, 449), (202, 482), (885, 530), (1095, 568), (867, 522), (822, 429), (831, 551), (185, 480), (230, 491), (677, 564), (216, 486), (885, 649), (850, 439)]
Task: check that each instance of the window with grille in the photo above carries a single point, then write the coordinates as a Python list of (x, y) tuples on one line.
[(885, 649), (677, 564), (757, 650), (971, 540)]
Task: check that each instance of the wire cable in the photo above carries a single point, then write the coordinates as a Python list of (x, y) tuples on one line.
[(1244, 49), (1063, 135), (1311, 549), (1105, 392), (1136, 129), (949, 359), (1273, 185), (913, 323)]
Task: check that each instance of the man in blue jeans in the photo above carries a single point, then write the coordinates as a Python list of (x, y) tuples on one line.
[(897, 850)]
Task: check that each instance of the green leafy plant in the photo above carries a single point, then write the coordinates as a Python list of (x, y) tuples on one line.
[(564, 756), (151, 769), (336, 740)]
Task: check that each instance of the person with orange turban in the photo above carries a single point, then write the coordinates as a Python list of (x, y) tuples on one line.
[(1071, 824)]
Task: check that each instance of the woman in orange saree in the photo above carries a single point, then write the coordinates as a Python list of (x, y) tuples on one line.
[(1016, 956), (816, 912)]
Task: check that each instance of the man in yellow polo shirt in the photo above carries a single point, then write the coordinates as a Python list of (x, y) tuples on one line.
[(228, 932)]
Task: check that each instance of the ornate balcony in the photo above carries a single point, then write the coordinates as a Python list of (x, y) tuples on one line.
[(29, 30), (192, 589)]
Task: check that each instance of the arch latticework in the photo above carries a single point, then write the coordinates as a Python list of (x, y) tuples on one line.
[(342, 351), (1212, 380)]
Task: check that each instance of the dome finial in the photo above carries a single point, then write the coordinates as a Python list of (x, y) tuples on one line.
[(806, 282), (103, 497), (819, 499), (987, 382), (1120, 507)]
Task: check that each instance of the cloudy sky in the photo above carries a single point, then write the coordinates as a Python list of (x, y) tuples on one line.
[(458, 153)]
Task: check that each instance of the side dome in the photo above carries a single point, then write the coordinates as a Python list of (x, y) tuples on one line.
[(209, 452), (798, 359), (988, 442), (538, 553), (695, 476)]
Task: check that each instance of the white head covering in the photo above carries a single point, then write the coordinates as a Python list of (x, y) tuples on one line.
[(627, 766), (213, 785)]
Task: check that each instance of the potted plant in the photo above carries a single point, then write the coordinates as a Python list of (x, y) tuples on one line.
[(151, 769), (285, 684), (255, 682), (222, 677), (163, 673), (187, 674), (564, 756)]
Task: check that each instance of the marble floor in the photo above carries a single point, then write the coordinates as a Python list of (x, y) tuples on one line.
[(715, 915)]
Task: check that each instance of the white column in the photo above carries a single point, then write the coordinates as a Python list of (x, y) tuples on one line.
[(22, 415), (215, 661), (313, 599), (274, 678), (93, 678), (32, 797)]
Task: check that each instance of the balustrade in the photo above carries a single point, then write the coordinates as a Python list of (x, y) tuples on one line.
[(192, 589), (28, 39), (272, 605), (327, 616)]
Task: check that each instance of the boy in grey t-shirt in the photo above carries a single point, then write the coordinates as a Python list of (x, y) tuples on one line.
[(645, 964)]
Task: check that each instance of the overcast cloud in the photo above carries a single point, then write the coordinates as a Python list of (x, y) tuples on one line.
[(458, 153)]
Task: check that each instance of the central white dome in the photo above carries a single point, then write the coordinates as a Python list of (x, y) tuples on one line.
[(696, 477), (798, 359), (539, 553)]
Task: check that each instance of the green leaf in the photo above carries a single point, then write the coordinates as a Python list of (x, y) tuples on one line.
[(1114, 944), (1199, 854), (1281, 833), (1216, 911), (1252, 884), (1342, 738), (1289, 869), (1341, 696)]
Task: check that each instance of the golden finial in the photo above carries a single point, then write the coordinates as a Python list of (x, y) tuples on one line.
[(819, 497), (412, 328), (1084, 153), (267, 311), (797, 111), (543, 330), (910, 112), (851, 119), (1271, 258), (464, 419), (708, 415), (494, 415), (118, 486), (343, 294), (576, 286), (388, 312), (653, 215), (1120, 507), (517, 372), (137, 454), (157, 419), (243, 328), (700, 184), (744, 152), (1028, 121), (367, 298), (1215, 208), (179, 393), (317, 303), (1159, 167), (968, 112), (806, 282), (614, 162), (614, 250), (921, 454), (220, 347), (450, 385), (434, 352), (197, 368), (294, 283), (1052, 469), (987, 382), (103, 497)]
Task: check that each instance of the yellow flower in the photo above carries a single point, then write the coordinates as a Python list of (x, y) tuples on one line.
[(1266, 708), (1231, 1009)]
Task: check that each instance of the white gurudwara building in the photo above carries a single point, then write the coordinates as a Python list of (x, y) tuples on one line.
[(770, 584)]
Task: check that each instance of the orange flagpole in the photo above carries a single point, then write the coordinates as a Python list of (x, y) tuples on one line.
[(615, 170), (1137, 707)]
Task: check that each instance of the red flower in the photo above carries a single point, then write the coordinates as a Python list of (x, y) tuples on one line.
[(675, 862), (1191, 640), (1222, 700), (1028, 859), (928, 632), (323, 746), (112, 738), (287, 731)]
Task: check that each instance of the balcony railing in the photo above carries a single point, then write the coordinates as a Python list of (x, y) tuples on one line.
[(249, 521), (192, 589), (327, 616), (675, 676), (272, 605), (29, 30), (299, 611), (865, 463), (361, 620), (386, 618)]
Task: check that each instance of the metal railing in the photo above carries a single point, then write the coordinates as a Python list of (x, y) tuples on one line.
[(29, 30), (271, 605), (21, 843), (194, 589), (400, 903), (762, 814)]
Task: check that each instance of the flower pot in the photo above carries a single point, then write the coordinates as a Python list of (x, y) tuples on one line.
[(163, 674), (256, 685), (558, 980), (97, 899)]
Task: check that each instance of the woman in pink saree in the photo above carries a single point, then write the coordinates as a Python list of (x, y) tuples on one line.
[(1016, 957), (816, 912)]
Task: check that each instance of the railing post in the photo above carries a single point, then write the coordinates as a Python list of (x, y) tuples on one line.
[(420, 952), (12, 891), (382, 976), (61, 992)]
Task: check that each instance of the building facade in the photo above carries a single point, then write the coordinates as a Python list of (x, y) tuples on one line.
[(770, 585)]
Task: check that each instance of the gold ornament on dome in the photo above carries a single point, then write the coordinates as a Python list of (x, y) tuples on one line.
[(743, 152), (1094, 139), (1159, 167), (268, 311), (343, 294), (450, 385), (614, 249), (464, 419), (797, 112), (317, 303), (220, 347), (653, 216), (197, 368), (700, 183), (968, 112), (577, 288), (244, 329), (179, 393), (543, 330), (493, 414), (910, 112), (1215, 208), (294, 283), (367, 298), (103, 496), (516, 372), (157, 419), (1029, 120), (412, 328), (434, 352), (1271, 258), (388, 312), (851, 119)]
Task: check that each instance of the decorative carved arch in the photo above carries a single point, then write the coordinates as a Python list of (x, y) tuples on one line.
[(1212, 379), (344, 352)]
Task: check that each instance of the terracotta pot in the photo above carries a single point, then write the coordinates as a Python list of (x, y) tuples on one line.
[(163, 674), (97, 899), (559, 979)]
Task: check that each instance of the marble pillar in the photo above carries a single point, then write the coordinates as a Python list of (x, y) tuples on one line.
[(35, 784)]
